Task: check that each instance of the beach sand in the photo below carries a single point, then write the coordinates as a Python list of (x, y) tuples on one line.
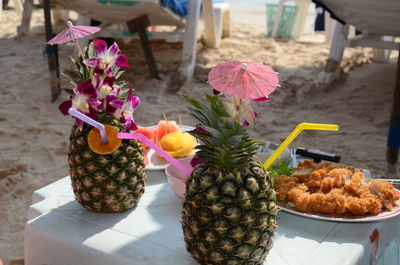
[(34, 135)]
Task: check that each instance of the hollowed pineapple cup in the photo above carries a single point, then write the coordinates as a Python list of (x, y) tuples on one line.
[(106, 183)]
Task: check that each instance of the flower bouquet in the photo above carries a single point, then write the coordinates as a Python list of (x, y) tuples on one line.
[(108, 175)]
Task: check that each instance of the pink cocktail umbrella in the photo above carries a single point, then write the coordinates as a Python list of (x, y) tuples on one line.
[(249, 80), (72, 33)]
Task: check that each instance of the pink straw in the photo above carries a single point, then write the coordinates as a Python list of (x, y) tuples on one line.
[(90, 121), (158, 149), (137, 136)]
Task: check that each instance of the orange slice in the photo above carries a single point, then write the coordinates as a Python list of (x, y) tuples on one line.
[(97, 146)]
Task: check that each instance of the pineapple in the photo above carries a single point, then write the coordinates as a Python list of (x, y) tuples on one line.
[(229, 211), (106, 183)]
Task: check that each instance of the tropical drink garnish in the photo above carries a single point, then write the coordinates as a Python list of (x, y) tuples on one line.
[(149, 133), (96, 144), (178, 144), (165, 127)]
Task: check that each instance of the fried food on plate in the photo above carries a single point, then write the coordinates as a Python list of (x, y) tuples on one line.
[(284, 184), (385, 192), (335, 189)]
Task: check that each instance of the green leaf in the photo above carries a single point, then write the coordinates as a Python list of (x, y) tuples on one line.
[(192, 101), (69, 90), (200, 116), (280, 168), (70, 80), (119, 73), (217, 106), (90, 51)]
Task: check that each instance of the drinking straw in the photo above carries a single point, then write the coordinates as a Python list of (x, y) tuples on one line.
[(293, 135), (137, 136), (90, 121), (157, 149)]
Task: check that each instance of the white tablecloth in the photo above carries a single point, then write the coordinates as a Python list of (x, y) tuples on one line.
[(61, 232)]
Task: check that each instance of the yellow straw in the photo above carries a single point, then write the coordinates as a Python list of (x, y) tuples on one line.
[(293, 135)]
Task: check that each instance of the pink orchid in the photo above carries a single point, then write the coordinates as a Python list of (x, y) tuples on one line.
[(124, 110), (105, 87), (84, 99), (106, 59), (195, 161)]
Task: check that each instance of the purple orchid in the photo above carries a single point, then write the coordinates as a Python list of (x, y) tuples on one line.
[(201, 130), (105, 86), (124, 110), (106, 59), (195, 161), (265, 98), (98, 94), (84, 99), (106, 91)]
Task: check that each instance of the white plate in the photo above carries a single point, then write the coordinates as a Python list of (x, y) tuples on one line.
[(156, 162), (348, 219)]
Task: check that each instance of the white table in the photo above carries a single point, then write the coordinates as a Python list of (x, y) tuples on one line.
[(61, 232)]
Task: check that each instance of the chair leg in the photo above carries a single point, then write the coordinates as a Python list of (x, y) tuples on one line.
[(190, 40), (52, 54), (381, 55), (139, 25), (226, 30), (23, 29), (221, 21), (278, 16), (210, 22), (393, 143), (18, 6), (303, 7), (332, 67)]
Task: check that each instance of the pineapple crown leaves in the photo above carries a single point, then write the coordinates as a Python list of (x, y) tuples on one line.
[(225, 142)]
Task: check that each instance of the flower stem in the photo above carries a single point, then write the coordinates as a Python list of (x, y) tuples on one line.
[(79, 48), (238, 112)]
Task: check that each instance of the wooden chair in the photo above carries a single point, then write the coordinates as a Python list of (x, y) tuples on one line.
[(374, 19)]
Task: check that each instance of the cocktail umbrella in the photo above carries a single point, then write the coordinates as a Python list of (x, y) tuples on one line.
[(72, 33), (249, 80)]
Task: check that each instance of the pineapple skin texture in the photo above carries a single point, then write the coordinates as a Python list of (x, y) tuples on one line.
[(106, 183), (229, 217)]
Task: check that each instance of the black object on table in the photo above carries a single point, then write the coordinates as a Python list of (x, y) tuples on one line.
[(393, 142), (317, 155)]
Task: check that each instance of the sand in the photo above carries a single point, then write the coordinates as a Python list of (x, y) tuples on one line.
[(34, 135)]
